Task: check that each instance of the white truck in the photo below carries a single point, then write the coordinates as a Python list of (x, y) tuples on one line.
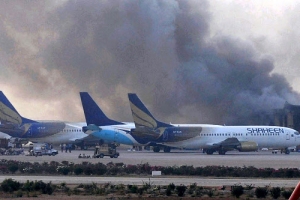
[(40, 149)]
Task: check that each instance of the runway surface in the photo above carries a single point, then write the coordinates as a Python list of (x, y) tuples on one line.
[(262, 159)]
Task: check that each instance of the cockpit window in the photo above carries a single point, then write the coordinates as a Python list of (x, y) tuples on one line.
[(296, 133)]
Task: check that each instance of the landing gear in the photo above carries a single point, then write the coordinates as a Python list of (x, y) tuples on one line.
[(156, 149), (101, 142), (209, 151), (222, 151), (82, 145), (167, 149), (287, 151)]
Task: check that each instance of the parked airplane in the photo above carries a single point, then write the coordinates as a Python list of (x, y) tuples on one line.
[(99, 125), (55, 132), (210, 138)]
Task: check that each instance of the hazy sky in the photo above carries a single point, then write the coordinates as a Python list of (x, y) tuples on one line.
[(189, 61)]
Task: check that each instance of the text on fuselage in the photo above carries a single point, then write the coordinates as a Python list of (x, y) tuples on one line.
[(265, 130)]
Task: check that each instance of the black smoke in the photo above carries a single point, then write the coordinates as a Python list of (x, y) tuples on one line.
[(163, 51)]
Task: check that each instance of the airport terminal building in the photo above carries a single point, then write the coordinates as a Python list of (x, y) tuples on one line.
[(288, 116)]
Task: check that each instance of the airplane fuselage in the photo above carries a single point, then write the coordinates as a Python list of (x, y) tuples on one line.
[(116, 133), (54, 132), (186, 136)]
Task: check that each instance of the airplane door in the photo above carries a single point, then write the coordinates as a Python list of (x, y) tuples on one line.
[(29, 132), (116, 135), (287, 136), (165, 135)]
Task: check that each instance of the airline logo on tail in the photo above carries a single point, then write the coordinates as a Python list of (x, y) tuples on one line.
[(141, 115), (141, 118), (147, 127), (8, 114)]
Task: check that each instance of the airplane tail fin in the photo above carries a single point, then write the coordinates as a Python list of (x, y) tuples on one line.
[(8, 114), (141, 115), (93, 113)]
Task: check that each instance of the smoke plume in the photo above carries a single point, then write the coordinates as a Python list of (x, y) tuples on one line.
[(161, 50)]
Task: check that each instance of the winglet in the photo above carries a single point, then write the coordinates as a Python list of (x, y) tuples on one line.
[(9, 115), (93, 113), (141, 115)]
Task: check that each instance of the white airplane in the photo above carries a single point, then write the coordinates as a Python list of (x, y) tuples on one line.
[(210, 138), (55, 132), (105, 129)]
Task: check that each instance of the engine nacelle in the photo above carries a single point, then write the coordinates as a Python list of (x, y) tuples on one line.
[(247, 146)]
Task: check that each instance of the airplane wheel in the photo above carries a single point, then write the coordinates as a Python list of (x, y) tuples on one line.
[(156, 149), (101, 155), (222, 152), (209, 152), (287, 151), (116, 156), (167, 149)]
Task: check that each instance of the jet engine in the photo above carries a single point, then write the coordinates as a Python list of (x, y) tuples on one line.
[(247, 146)]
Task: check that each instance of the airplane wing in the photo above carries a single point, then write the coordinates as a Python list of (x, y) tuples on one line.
[(76, 139), (230, 144)]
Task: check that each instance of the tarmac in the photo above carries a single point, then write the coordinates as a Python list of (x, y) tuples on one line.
[(261, 159)]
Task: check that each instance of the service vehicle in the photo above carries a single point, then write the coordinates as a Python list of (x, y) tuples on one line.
[(6, 143), (105, 150), (40, 149)]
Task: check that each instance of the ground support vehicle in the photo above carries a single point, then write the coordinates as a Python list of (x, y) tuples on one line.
[(275, 151), (106, 150), (5, 143), (41, 149)]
